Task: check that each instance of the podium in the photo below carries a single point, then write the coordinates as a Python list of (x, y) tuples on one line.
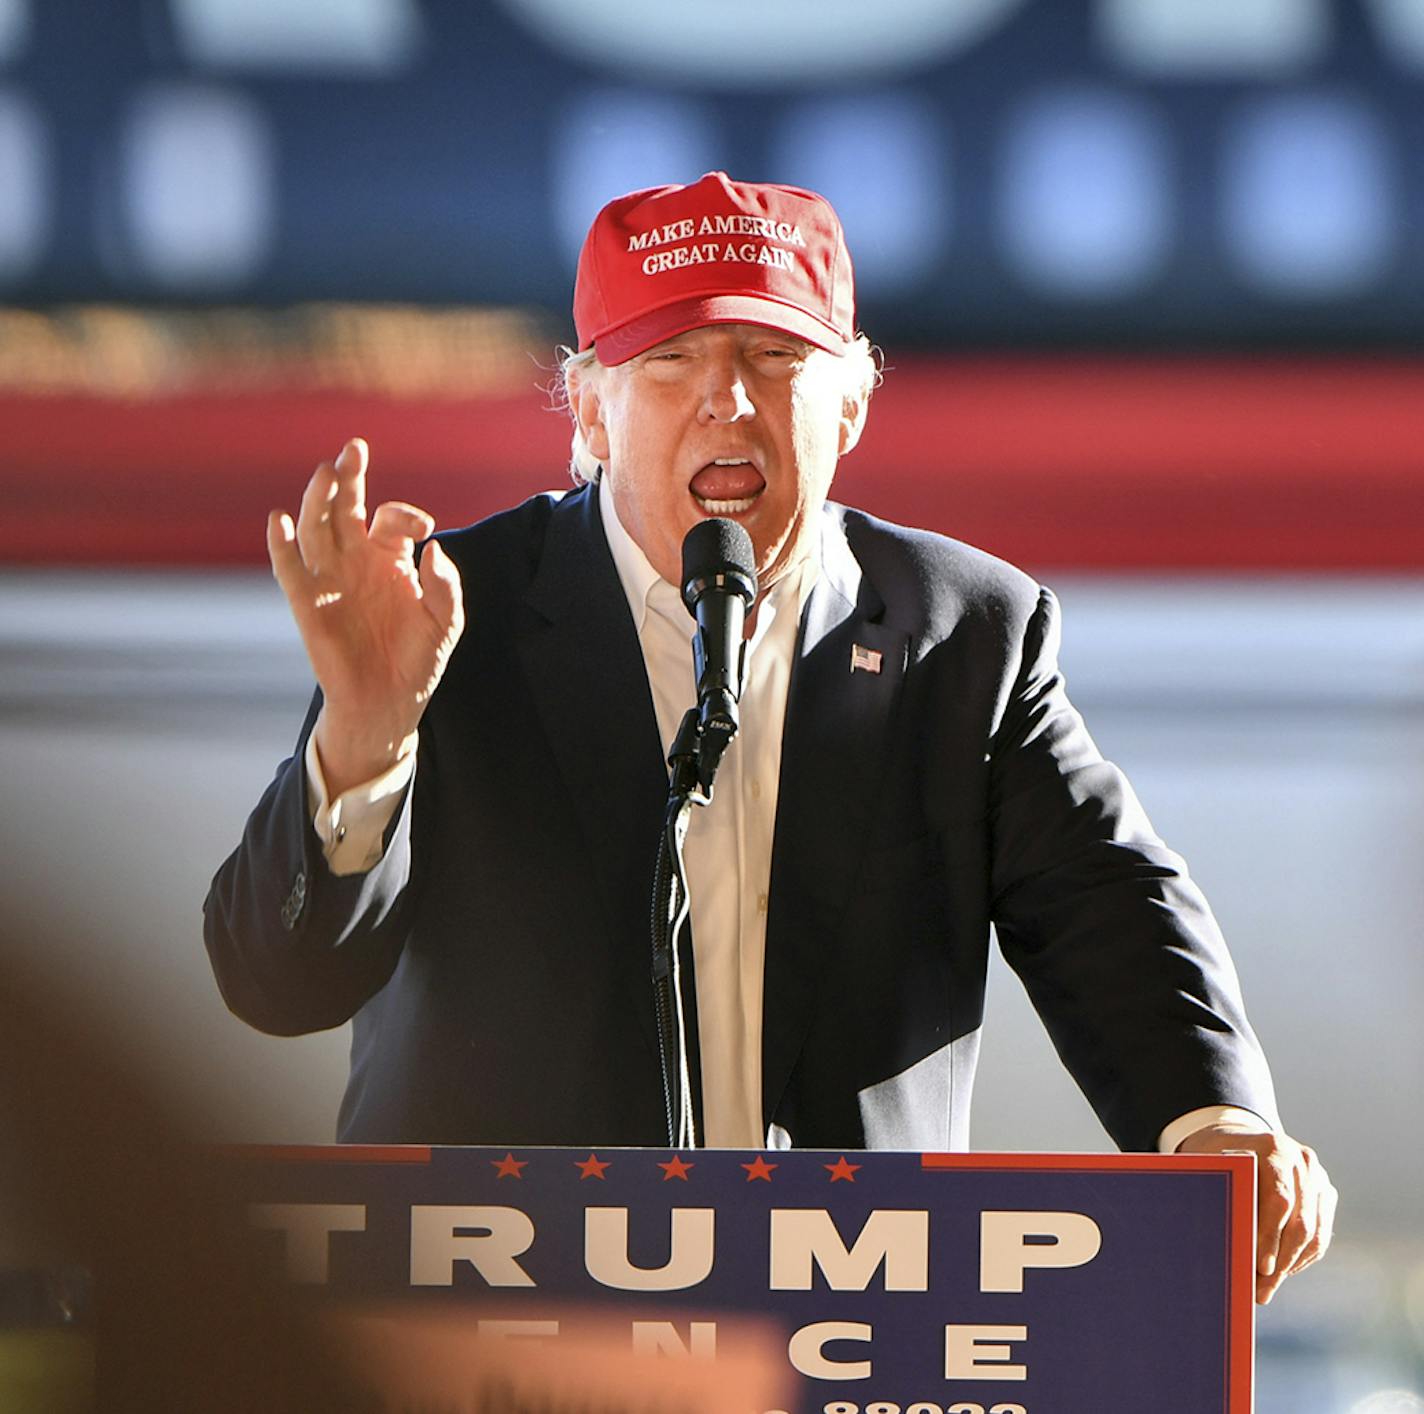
[(882, 1283)]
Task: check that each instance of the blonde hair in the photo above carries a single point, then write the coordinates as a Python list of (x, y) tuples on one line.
[(862, 364)]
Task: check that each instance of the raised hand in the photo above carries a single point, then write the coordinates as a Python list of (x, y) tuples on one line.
[(377, 630)]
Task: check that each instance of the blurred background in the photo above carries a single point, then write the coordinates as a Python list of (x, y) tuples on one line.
[(1149, 279)]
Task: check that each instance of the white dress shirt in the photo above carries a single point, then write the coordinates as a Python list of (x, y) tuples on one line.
[(728, 848)]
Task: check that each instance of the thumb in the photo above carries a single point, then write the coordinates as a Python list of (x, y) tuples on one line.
[(441, 591)]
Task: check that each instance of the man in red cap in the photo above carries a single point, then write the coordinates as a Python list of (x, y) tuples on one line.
[(676, 278), (458, 857)]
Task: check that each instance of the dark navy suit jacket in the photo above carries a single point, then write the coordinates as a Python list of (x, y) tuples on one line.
[(496, 961)]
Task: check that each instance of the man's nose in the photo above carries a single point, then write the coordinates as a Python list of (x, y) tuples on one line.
[(725, 397)]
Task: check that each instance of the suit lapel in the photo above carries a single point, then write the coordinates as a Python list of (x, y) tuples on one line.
[(584, 666), (836, 722)]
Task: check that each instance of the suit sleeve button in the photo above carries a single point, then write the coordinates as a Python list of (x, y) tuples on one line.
[(292, 905)]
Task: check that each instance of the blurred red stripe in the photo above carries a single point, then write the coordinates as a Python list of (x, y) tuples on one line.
[(1092, 463)]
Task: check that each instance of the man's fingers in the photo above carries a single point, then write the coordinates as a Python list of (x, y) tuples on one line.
[(397, 526), (1325, 1233), (1295, 1200), (1310, 1222), (353, 459), (442, 593), (1323, 1200), (287, 566), (1301, 1221), (348, 501), (1276, 1200), (333, 513), (315, 537)]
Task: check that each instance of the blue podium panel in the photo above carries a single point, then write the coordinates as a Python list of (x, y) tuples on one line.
[(898, 1283)]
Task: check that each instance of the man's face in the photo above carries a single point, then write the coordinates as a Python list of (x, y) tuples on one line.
[(727, 420)]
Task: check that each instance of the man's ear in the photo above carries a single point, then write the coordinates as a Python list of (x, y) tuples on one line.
[(588, 412), (853, 411)]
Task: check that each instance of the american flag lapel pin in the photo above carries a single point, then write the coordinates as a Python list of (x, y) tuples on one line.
[(867, 660)]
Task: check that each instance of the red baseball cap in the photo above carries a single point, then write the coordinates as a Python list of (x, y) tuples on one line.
[(667, 259)]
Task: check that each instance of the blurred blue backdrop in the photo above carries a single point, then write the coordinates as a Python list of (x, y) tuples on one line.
[(1088, 171)]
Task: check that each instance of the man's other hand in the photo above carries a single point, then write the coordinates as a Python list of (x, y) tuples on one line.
[(1295, 1200), (377, 630)]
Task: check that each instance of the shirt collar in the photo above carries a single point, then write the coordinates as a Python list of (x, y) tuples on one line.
[(636, 575)]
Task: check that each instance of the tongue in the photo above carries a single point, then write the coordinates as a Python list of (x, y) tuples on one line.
[(727, 483)]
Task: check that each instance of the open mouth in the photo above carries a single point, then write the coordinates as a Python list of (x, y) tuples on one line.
[(727, 486)]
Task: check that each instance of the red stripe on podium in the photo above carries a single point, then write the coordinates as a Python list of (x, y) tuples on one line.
[(1241, 1308)]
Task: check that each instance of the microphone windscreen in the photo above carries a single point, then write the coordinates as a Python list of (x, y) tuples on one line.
[(715, 547)]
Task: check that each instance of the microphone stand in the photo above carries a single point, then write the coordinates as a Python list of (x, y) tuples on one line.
[(718, 586), (703, 735)]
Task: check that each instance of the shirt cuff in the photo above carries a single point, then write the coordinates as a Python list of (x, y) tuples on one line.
[(352, 827), (1189, 1123)]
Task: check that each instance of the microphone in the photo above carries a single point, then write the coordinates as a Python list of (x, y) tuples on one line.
[(718, 587)]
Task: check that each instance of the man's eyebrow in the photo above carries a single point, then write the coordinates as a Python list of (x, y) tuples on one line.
[(794, 341)]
